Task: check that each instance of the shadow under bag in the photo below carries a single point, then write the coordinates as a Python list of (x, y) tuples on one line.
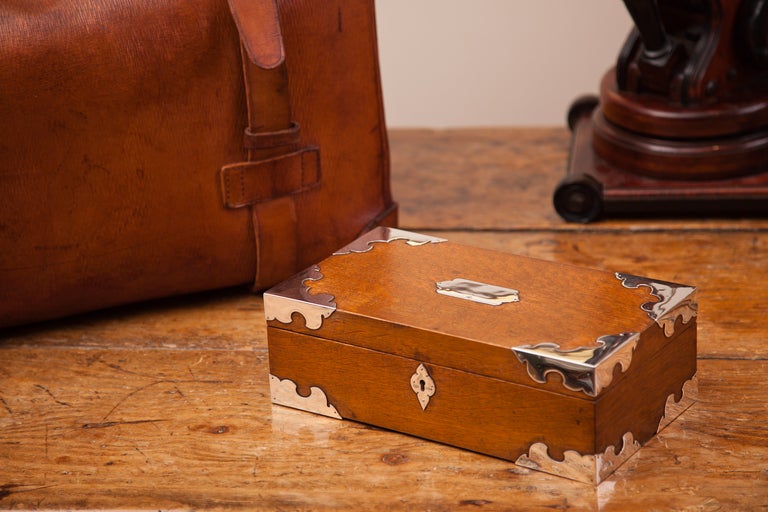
[(157, 147)]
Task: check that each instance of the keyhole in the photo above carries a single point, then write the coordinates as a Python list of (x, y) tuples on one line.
[(422, 384)]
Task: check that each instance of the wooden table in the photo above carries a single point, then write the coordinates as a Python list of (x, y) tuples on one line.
[(166, 405)]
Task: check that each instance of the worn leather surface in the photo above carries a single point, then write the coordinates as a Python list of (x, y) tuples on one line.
[(121, 118), (258, 22)]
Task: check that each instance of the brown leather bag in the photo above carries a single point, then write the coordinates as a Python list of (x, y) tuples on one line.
[(158, 147)]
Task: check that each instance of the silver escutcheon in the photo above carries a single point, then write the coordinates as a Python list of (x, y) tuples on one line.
[(423, 385), (478, 292)]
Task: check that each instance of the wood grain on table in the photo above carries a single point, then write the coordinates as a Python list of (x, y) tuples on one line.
[(165, 405)]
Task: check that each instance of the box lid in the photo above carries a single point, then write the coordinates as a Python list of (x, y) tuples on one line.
[(566, 328)]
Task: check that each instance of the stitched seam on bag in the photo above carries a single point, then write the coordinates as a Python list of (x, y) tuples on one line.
[(308, 160), (227, 201), (242, 187)]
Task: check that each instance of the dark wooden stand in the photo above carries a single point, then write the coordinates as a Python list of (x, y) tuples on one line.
[(681, 123)]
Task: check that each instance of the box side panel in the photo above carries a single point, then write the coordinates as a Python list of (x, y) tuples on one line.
[(478, 413), (428, 346), (636, 403)]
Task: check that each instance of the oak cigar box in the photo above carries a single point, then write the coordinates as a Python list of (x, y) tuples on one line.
[(554, 367)]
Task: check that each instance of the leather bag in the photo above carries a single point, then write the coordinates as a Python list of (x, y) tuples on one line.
[(150, 148)]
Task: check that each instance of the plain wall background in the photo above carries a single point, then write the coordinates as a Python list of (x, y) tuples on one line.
[(450, 63)]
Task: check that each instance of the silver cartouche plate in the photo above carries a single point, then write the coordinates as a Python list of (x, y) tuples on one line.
[(478, 292)]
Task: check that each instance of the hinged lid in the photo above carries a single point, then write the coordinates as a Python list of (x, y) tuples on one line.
[(510, 317)]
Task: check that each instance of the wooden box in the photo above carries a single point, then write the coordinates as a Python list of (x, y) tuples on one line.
[(554, 367)]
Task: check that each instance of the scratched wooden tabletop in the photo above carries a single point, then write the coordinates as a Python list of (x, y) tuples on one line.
[(165, 405)]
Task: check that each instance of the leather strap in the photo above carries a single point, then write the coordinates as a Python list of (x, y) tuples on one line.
[(259, 25), (264, 71), (276, 170), (277, 248), (267, 140), (248, 183)]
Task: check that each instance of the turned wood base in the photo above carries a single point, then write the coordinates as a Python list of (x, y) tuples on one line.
[(595, 187)]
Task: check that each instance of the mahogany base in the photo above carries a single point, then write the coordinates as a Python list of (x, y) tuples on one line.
[(594, 187)]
